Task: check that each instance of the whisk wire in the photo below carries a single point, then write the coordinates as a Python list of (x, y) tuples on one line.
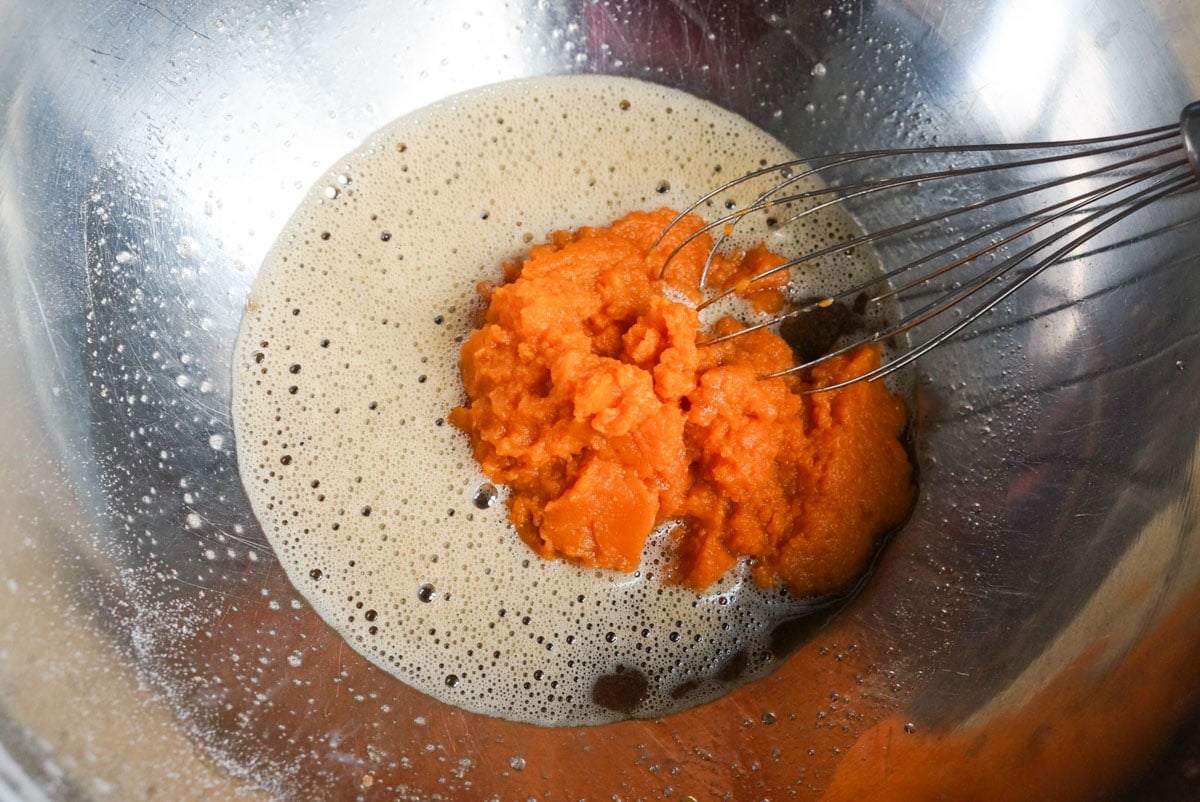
[(1137, 202), (1042, 218), (851, 192), (1136, 170), (947, 149), (938, 217)]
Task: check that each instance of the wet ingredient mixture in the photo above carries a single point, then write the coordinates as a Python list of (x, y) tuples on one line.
[(347, 365), (594, 400)]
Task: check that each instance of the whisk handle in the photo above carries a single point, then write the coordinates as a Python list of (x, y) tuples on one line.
[(1189, 127)]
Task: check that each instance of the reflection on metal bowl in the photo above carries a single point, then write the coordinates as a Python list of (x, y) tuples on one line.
[(1031, 634)]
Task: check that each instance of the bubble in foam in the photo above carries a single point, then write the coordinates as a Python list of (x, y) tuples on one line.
[(346, 366)]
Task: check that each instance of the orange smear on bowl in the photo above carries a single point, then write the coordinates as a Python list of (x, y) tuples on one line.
[(593, 398)]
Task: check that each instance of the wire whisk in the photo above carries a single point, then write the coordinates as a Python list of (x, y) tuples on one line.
[(1001, 216)]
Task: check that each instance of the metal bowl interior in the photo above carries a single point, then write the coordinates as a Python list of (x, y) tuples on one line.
[(1033, 626)]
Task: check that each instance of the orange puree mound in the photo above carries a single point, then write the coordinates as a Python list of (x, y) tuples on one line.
[(591, 400)]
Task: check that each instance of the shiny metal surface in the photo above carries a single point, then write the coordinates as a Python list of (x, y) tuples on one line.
[(1031, 634)]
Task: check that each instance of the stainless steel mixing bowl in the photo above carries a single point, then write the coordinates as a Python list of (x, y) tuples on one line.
[(1033, 633)]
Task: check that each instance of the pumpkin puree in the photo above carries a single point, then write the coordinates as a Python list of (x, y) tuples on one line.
[(592, 400)]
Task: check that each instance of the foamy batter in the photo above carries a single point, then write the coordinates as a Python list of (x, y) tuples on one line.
[(347, 365)]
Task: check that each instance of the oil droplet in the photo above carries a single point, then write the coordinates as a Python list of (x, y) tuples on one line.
[(485, 496), (187, 247), (426, 593)]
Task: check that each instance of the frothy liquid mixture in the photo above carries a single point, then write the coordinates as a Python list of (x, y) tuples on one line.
[(347, 365)]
